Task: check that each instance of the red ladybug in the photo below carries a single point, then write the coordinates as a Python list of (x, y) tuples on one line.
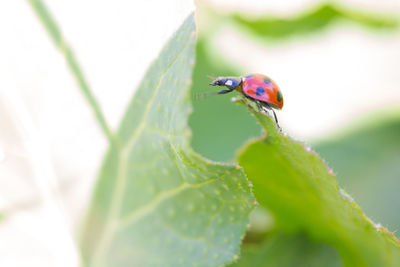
[(257, 88)]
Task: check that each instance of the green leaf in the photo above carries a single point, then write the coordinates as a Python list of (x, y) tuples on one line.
[(288, 251), (314, 20), (292, 182), (156, 202), (367, 162)]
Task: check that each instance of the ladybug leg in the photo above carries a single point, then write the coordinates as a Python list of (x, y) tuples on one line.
[(225, 91), (258, 104), (260, 109), (248, 104), (276, 118)]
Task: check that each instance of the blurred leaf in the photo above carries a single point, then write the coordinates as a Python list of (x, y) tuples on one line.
[(219, 126), (367, 165), (61, 44), (296, 186), (314, 20), (288, 251), (260, 226), (156, 201)]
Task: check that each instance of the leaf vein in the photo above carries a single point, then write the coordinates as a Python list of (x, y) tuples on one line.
[(152, 205)]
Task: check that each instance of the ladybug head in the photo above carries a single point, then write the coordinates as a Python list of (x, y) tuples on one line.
[(229, 82)]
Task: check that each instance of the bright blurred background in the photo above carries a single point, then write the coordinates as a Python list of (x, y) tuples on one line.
[(336, 62)]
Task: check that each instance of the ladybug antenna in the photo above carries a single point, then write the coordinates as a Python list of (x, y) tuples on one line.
[(200, 96), (211, 77)]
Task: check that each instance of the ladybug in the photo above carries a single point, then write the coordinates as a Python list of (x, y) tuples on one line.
[(258, 88)]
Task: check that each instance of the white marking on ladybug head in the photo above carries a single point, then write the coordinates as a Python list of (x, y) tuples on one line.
[(228, 83)]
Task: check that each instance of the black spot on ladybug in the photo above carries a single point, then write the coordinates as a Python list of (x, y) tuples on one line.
[(279, 96), (267, 80), (260, 91)]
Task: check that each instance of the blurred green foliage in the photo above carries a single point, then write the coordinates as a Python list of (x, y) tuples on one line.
[(292, 182), (288, 251), (314, 20), (367, 163)]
